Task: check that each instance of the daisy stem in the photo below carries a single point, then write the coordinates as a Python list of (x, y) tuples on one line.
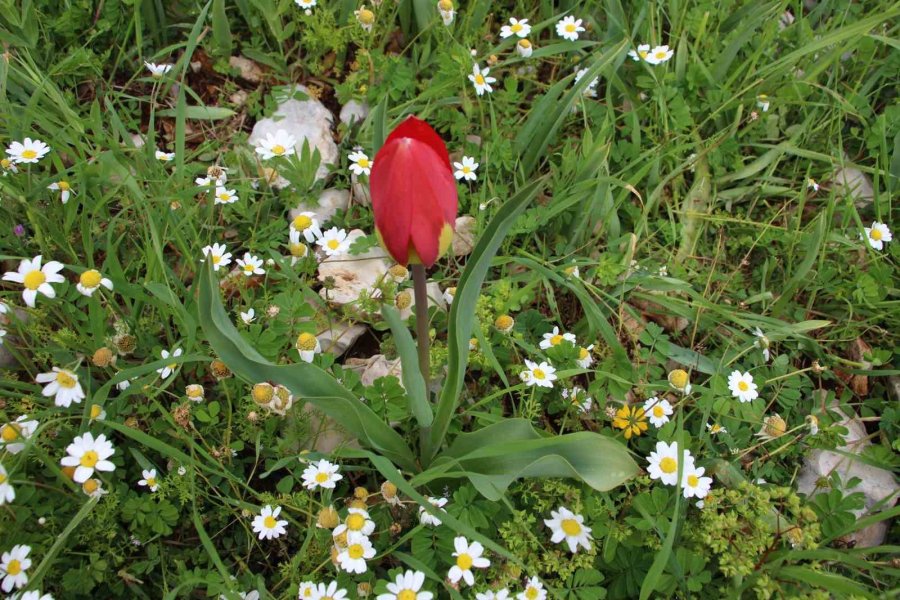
[(421, 295)]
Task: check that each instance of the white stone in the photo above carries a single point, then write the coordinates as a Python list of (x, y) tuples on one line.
[(330, 201), (339, 337), (354, 111), (464, 235), (375, 367), (351, 274), (249, 70), (876, 485), (855, 183), (361, 193), (435, 298), (308, 121)]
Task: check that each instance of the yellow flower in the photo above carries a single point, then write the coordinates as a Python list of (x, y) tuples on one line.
[(632, 421)]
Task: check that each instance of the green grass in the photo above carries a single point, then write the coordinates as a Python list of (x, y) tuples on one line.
[(673, 166)]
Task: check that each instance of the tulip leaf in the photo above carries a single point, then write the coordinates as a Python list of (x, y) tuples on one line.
[(495, 456), (419, 405), (306, 381), (462, 311)]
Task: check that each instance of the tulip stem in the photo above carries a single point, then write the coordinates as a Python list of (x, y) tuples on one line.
[(418, 272)]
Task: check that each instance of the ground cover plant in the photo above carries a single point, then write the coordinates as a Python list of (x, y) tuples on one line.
[(412, 300)]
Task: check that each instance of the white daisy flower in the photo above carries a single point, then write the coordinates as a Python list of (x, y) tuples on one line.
[(524, 48), (307, 590), (216, 176), (27, 152), (217, 255), (298, 249), (63, 385), (878, 234), (591, 89), (445, 7), (811, 184), (158, 70), (13, 565), (406, 586), (149, 480), (308, 346), (35, 278), (14, 435), (762, 102), (468, 556), (357, 521), (572, 271), (280, 144), (170, 368), (568, 28), (466, 169), (267, 524), (555, 338), (426, 518), (64, 188), (578, 397), (762, 342), (164, 156), (90, 281), (658, 411), (659, 55), (330, 592), (360, 163), (7, 493), (251, 265), (693, 483), (353, 558), (543, 374), (481, 81), (715, 429), (194, 392), (322, 474), (570, 527), (641, 53), (680, 380), (501, 594), (249, 316), (225, 196), (742, 386), (334, 242), (585, 358), (365, 18), (449, 294), (97, 413), (534, 590), (88, 454), (307, 224), (305, 4), (515, 27), (8, 166), (664, 463)]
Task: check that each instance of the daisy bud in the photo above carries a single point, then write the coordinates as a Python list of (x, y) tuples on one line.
[(504, 323), (679, 380), (524, 48), (360, 493), (340, 540), (414, 197), (366, 18), (262, 393), (253, 416), (91, 486), (273, 310), (388, 490), (103, 357), (399, 273), (132, 422), (360, 504), (282, 401), (125, 343), (403, 300), (194, 392), (219, 369), (364, 589), (68, 472), (328, 518), (306, 342)]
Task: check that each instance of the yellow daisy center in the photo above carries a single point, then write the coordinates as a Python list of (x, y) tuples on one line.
[(643, 53), (446, 5), (539, 374), (556, 340), (406, 595), (333, 244), (366, 16), (262, 393), (14, 567), (693, 481), (355, 522), (9, 432), (479, 79), (321, 477), (249, 268), (464, 561), (2, 478), (216, 259), (715, 429), (363, 162), (678, 378), (660, 55), (223, 196), (5, 163), (516, 28), (525, 43), (301, 222), (270, 522), (531, 593), (29, 154), (658, 411), (355, 551), (570, 27), (570, 527), (65, 379), (306, 341), (89, 459), (91, 278), (298, 250), (278, 149), (64, 186), (503, 322), (90, 486), (34, 279), (668, 465), (583, 353), (194, 392), (466, 169), (151, 482), (742, 385), (875, 234)]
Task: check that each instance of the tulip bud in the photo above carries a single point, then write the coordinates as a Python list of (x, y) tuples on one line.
[(414, 194)]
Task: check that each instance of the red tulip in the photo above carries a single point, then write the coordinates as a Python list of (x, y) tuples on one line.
[(414, 194)]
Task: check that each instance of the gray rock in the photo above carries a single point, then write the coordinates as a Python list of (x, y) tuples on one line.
[(354, 111), (375, 367), (340, 337), (435, 298), (876, 484), (308, 121), (464, 235), (351, 275), (330, 201), (249, 70), (854, 182)]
